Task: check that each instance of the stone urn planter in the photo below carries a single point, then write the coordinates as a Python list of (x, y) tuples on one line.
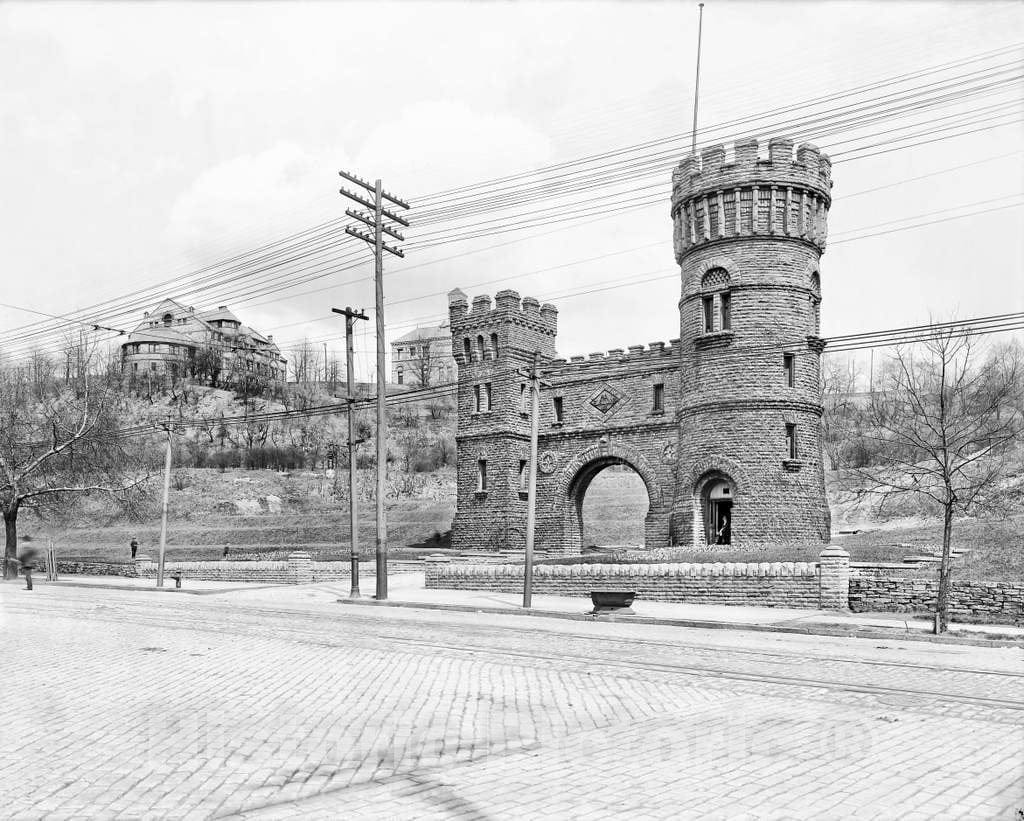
[(612, 601)]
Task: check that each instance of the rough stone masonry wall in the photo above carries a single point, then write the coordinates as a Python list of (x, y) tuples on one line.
[(898, 589), (298, 569), (831, 583), (775, 584), (751, 230), (223, 571)]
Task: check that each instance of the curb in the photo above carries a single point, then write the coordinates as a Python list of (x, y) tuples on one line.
[(154, 589), (840, 631)]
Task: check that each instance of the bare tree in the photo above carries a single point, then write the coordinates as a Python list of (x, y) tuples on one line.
[(423, 365), (944, 421), (57, 441), (306, 362), (206, 364), (439, 409), (838, 422)]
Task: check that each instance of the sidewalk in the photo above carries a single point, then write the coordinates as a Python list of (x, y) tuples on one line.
[(407, 590), (195, 587)]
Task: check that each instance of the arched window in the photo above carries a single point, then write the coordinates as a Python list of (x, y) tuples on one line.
[(715, 301), (467, 349), (401, 375), (167, 319), (480, 347), (494, 345)]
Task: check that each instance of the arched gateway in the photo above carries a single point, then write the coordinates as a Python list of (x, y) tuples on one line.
[(573, 481), (722, 424)]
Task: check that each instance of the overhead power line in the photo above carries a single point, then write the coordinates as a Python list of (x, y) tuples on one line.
[(307, 256)]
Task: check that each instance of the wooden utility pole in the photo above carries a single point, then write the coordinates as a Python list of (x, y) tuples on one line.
[(531, 492), (163, 515), (350, 365), (375, 220)]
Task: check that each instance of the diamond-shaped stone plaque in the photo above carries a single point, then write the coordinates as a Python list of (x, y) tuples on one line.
[(605, 400)]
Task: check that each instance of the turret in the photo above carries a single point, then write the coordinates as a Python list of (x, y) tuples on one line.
[(716, 197), (749, 232)]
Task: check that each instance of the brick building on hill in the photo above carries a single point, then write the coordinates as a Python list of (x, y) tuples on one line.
[(174, 342), (423, 357), (722, 425)]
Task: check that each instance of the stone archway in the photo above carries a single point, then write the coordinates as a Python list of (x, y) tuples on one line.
[(705, 475), (574, 479)]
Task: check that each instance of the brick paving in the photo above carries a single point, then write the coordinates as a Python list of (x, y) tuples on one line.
[(128, 705)]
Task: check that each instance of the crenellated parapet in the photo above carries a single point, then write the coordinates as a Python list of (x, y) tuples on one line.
[(639, 356), (719, 197), (510, 324)]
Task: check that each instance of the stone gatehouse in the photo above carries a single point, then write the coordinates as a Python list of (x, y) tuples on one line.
[(721, 424)]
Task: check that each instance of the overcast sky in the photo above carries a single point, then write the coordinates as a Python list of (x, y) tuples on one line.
[(141, 142)]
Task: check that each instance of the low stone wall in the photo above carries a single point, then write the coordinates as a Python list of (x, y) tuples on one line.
[(833, 582), (299, 568), (892, 588), (767, 584), (88, 568), (223, 571)]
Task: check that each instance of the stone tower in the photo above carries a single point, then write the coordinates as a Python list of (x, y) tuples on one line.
[(749, 233), (491, 346)]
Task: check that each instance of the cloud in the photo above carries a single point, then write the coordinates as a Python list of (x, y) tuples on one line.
[(439, 144), (251, 199)]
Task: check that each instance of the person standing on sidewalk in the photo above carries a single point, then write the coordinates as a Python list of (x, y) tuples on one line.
[(134, 546), (28, 564)]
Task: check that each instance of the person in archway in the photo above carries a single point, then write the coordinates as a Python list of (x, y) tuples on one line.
[(722, 536)]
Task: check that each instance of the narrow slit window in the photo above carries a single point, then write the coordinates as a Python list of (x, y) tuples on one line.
[(476, 398), (709, 314), (494, 345), (791, 441), (481, 475), (487, 396), (524, 475), (467, 347), (557, 402), (522, 399), (659, 398), (725, 309), (788, 365)]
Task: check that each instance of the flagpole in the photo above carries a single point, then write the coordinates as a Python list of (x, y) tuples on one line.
[(696, 88)]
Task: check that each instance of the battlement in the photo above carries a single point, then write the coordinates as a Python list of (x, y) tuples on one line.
[(715, 197), (634, 355), (508, 323), (713, 170), (508, 307)]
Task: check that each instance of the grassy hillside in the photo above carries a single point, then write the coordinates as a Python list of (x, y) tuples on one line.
[(268, 512)]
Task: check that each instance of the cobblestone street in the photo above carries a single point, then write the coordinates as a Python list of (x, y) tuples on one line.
[(287, 704)]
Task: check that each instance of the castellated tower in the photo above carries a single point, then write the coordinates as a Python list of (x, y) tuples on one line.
[(749, 233), (490, 346)]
